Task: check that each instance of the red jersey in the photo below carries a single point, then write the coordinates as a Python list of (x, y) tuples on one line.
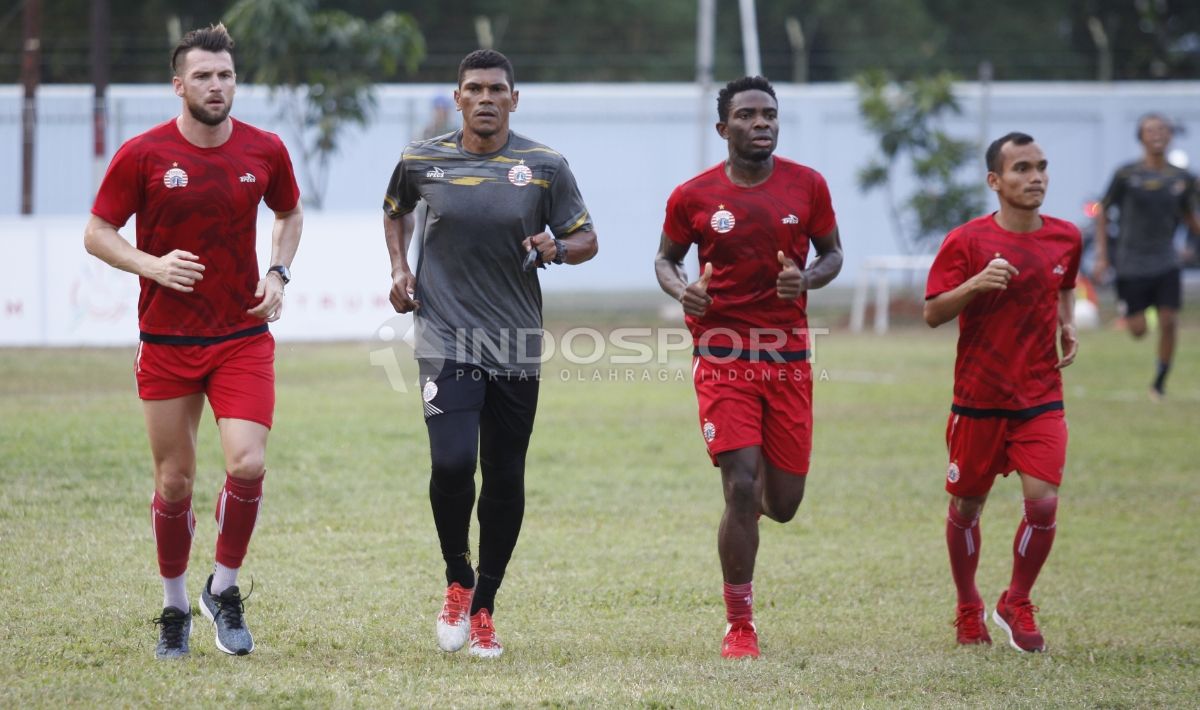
[(205, 201), (1008, 339), (740, 230)]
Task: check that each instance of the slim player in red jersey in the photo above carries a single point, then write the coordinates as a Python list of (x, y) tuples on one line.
[(1009, 278), (753, 218), (195, 183)]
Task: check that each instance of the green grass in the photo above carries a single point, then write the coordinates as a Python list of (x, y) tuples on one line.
[(613, 596)]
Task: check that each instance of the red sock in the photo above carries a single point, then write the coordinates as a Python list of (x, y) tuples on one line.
[(173, 525), (1032, 545), (237, 511), (963, 539), (739, 602)]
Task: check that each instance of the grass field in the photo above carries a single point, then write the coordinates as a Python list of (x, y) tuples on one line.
[(613, 597)]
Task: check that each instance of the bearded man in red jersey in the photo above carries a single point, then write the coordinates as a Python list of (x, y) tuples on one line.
[(195, 183)]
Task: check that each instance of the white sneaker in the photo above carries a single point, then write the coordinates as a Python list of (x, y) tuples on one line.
[(454, 621), (484, 643)]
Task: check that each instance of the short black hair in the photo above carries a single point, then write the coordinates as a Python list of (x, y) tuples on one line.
[(737, 86), (1152, 116), (486, 59), (214, 38), (992, 157)]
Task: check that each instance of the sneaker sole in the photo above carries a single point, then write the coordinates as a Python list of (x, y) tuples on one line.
[(486, 653), (1007, 630), (209, 615)]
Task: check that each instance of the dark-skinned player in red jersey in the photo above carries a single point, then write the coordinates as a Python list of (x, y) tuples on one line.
[(195, 183), (753, 218), (1009, 279)]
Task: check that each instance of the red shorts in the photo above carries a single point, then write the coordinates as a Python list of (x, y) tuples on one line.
[(756, 404), (982, 448), (237, 376)]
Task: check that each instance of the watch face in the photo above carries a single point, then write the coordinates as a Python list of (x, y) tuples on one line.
[(283, 273)]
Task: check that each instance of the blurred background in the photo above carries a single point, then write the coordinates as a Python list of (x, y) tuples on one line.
[(892, 100)]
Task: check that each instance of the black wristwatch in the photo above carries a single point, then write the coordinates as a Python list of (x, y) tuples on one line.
[(285, 274), (560, 251)]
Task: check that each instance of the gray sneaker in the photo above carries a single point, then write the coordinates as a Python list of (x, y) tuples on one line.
[(225, 611), (175, 629)]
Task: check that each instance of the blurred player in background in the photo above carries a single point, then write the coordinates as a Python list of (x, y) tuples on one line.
[(753, 218), (1152, 197), (491, 194), (195, 183), (1009, 279)]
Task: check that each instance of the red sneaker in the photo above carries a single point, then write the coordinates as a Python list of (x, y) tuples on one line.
[(1016, 619), (453, 622), (971, 621), (484, 643), (741, 640)]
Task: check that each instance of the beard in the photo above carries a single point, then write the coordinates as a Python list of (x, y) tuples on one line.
[(206, 115)]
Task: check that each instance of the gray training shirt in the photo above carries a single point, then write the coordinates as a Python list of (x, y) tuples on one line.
[(477, 306), (1151, 203)]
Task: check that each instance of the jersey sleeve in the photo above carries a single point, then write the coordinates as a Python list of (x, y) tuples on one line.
[(283, 194), (676, 224), (120, 193), (566, 213), (1116, 190), (1189, 201), (950, 267), (402, 195), (821, 220)]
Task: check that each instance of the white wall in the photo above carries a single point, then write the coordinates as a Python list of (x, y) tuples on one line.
[(629, 145)]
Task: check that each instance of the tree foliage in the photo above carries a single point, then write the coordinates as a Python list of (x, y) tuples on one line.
[(321, 66), (906, 119)]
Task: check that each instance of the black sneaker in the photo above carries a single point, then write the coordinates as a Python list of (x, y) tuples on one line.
[(225, 610), (176, 628)]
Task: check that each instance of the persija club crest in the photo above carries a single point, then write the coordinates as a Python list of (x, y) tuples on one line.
[(520, 175), (175, 177), (722, 220)]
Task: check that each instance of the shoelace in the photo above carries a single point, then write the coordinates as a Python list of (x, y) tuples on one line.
[(1023, 617), (456, 606), (741, 637), (970, 622), (231, 606), (483, 634), (172, 627)]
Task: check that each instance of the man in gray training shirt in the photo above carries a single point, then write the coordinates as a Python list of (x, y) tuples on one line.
[(1152, 197), (491, 196)]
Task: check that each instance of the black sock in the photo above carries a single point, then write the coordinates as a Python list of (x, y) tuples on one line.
[(452, 517), (485, 593), (1160, 379)]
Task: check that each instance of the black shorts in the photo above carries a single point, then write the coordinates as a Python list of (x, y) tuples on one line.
[(507, 401), (1137, 293)]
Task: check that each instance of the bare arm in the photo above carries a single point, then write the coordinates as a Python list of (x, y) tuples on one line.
[(398, 232), (946, 306), (285, 238), (828, 263), (672, 278), (1100, 242), (1066, 323), (177, 270)]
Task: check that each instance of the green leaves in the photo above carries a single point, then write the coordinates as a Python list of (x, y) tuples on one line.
[(906, 120), (321, 67)]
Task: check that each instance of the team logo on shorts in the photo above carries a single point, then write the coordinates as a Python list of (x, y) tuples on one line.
[(520, 175), (175, 177), (722, 220), (428, 392), (952, 473), (709, 430)]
